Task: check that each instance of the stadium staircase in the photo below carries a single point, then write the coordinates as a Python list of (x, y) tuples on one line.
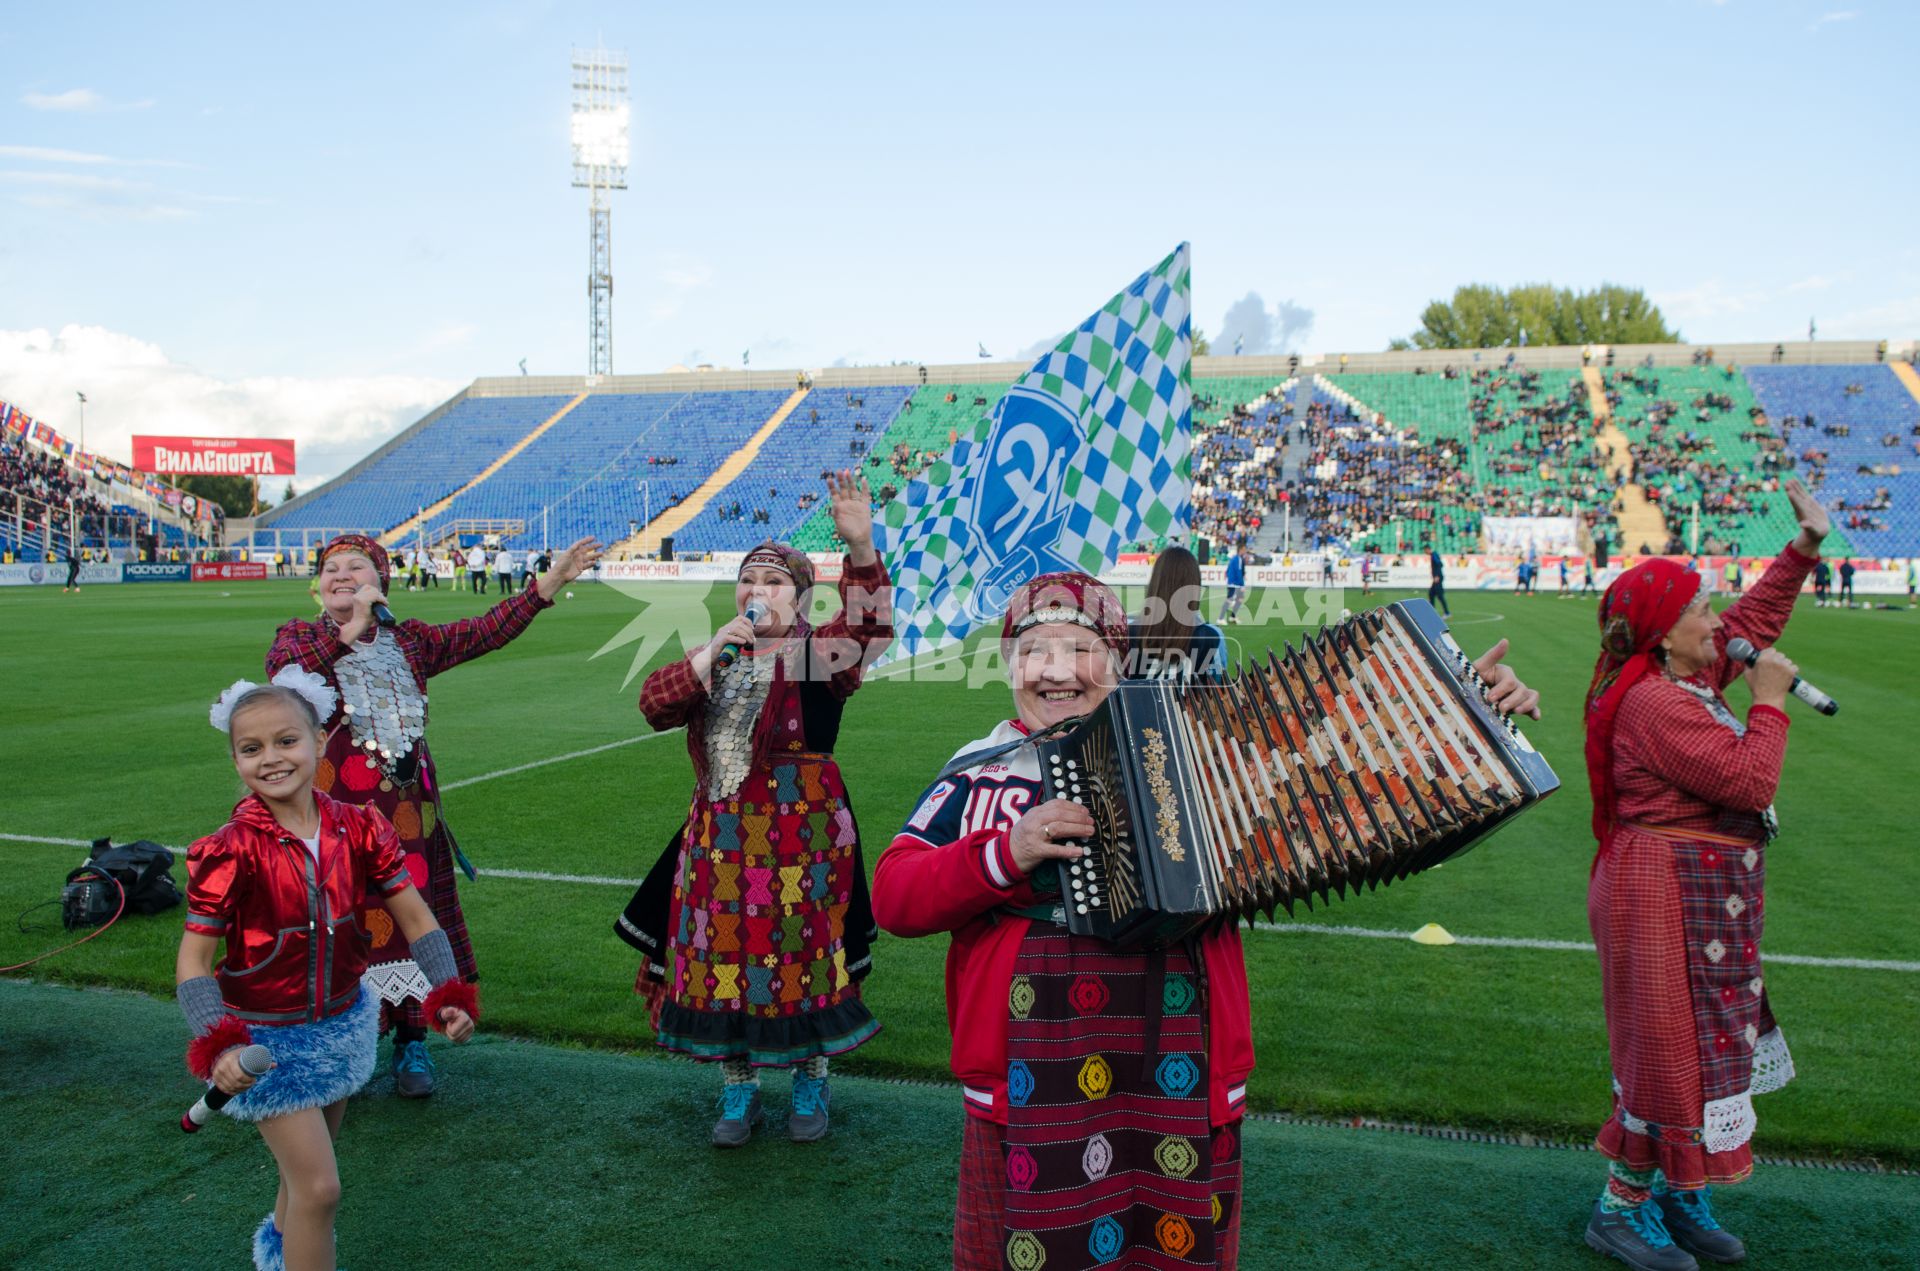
[(1908, 377), (425, 516), (1640, 521), (670, 521)]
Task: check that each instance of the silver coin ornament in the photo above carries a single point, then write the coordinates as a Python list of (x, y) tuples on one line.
[(385, 710), (738, 694)]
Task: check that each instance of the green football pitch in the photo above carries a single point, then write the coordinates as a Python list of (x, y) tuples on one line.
[(558, 793)]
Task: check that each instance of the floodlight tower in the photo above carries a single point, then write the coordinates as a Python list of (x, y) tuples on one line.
[(600, 117)]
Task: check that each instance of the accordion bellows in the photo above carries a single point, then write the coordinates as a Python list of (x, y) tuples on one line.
[(1368, 754)]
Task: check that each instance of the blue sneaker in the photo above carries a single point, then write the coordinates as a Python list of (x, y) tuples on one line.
[(1638, 1238), (740, 1111), (412, 1070), (1689, 1219), (808, 1124)]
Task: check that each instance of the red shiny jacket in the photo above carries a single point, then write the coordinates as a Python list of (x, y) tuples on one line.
[(294, 951)]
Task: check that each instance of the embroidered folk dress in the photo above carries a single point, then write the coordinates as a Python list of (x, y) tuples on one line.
[(764, 916), (1676, 904), (382, 684)]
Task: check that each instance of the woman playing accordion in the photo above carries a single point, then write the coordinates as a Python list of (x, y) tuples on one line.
[(1104, 1086)]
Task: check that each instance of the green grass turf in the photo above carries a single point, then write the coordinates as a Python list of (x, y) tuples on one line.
[(533, 1155), (106, 694)]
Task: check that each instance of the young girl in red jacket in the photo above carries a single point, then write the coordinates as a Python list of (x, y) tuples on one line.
[(278, 884)]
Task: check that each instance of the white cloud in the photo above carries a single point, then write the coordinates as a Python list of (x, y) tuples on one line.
[(1891, 319), (48, 154), (1827, 19), (79, 100), (681, 276), (133, 386)]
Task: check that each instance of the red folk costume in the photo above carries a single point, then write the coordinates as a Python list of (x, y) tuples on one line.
[(757, 940), (1682, 794), (376, 754), (1104, 1088)]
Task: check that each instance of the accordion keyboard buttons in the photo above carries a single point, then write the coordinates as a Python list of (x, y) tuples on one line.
[(1082, 878)]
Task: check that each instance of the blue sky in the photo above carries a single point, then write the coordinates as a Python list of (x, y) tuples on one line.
[(311, 222)]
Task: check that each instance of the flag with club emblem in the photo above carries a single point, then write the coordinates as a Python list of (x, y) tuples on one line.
[(1088, 452)]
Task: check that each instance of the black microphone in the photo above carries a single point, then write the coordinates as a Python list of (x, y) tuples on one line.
[(1743, 651), (730, 652), (383, 615), (255, 1059)]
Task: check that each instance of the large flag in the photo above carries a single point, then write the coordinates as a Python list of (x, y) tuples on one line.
[(1087, 452)]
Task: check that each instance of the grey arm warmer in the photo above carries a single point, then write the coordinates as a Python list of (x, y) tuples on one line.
[(434, 956), (201, 1003)]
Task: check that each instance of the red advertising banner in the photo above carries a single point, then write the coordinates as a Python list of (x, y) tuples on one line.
[(214, 456), (230, 571)]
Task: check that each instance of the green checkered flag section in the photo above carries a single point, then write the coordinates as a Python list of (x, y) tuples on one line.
[(1089, 451)]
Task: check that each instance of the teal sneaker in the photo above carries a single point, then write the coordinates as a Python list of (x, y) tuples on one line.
[(1689, 1219), (412, 1070), (808, 1124), (1638, 1238), (740, 1111)]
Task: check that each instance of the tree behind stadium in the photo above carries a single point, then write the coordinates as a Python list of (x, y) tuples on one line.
[(1484, 317)]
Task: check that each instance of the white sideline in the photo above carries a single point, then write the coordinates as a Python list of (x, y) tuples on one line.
[(541, 763), (1274, 928)]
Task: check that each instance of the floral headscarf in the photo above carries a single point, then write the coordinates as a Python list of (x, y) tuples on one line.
[(1069, 597), (366, 547)]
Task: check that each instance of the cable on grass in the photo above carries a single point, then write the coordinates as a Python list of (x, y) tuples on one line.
[(118, 910)]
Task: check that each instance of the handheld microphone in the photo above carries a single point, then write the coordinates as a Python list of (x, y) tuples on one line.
[(383, 615), (1743, 651), (255, 1059), (730, 652)]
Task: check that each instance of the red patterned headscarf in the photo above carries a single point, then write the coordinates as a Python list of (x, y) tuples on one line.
[(367, 548), (1637, 612), (1069, 597)]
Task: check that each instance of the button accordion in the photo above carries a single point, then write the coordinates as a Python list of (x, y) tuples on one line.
[(1366, 755)]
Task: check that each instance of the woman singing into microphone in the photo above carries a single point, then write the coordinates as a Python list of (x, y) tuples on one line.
[(375, 752), (1682, 808), (755, 925)]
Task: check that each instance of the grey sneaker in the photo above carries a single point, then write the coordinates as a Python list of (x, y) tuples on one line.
[(412, 1071), (808, 1124), (1638, 1238), (1690, 1221), (739, 1112)]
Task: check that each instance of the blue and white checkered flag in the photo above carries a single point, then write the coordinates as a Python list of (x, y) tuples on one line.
[(1089, 451)]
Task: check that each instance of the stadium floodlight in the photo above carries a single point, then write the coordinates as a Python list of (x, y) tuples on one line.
[(601, 118)]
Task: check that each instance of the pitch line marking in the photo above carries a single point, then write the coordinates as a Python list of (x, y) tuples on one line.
[(541, 763), (1362, 933)]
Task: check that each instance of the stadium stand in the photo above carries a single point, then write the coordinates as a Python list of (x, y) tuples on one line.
[(1368, 482), (1382, 456), (928, 423), (1854, 434), (427, 463), (783, 486)]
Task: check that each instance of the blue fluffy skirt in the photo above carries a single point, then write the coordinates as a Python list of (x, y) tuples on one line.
[(314, 1064)]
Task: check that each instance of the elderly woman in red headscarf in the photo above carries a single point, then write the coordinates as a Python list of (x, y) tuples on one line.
[(1682, 808), (755, 925), (377, 754), (1104, 1087)]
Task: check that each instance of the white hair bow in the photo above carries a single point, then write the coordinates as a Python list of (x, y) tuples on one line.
[(311, 687)]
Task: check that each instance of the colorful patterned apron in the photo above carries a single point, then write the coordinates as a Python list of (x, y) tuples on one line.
[(757, 968), (1109, 1153)]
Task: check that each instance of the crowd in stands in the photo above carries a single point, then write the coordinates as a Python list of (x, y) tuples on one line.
[(1237, 466), (38, 488), (1361, 476), (1539, 454)]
